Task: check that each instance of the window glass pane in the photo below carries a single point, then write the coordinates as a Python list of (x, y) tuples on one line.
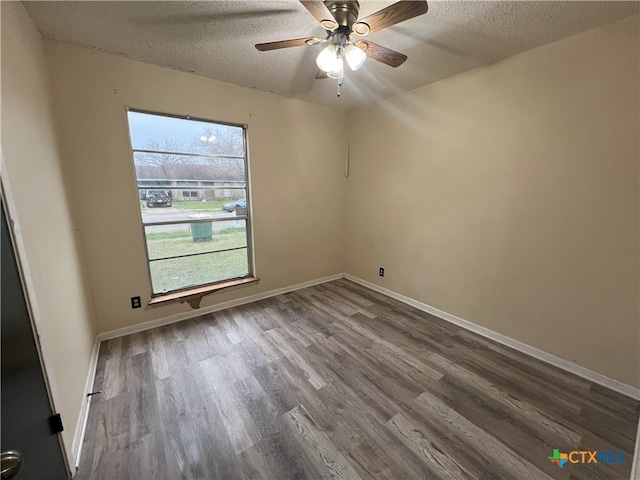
[(184, 169), (177, 273), (171, 205), (188, 238), (169, 134)]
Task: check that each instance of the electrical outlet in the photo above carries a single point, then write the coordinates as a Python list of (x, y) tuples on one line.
[(381, 272), (135, 302)]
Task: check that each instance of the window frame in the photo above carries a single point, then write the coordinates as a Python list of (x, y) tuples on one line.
[(200, 289)]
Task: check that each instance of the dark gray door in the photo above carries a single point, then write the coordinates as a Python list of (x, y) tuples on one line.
[(26, 410)]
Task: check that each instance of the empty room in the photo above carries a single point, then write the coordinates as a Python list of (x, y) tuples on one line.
[(320, 239)]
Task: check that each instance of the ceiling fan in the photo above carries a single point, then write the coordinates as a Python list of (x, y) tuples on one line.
[(340, 20)]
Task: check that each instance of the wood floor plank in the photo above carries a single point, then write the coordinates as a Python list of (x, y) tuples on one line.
[(108, 434), (382, 455), (237, 421), (265, 319), (366, 388), (273, 455), (268, 348), (343, 356), (537, 389), (195, 329), (98, 380), (115, 376), (146, 457), (339, 381), (227, 367), (526, 363), (272, 379), (160, 350), (467, 432), (226, 321), (441, 464), (568, 395), (251, 354), (617, 430), (294, 357), (550, 428), (216, 450), (144, 415), (322, 452), (138, 343), (186, 445), (496, 420)]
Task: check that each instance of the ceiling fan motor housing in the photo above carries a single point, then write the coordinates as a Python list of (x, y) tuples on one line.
[(345, 12)]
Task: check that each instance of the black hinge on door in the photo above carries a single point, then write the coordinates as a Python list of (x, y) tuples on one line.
[(55, 422)]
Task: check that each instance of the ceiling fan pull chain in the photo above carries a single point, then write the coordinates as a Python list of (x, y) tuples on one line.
[(339, 85)]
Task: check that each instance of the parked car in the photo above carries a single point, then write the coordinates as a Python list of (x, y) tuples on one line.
[(158, 198), (230, 207)]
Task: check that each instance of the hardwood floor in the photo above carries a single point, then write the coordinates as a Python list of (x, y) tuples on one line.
[(339, 381)]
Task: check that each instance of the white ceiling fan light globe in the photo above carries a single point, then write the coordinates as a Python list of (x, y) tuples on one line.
[(329, 59), (338, 71), (355, 57)]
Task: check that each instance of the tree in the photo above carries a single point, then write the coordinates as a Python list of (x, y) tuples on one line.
[(163, 162), (222, 140), (219, 140), (166, 157)]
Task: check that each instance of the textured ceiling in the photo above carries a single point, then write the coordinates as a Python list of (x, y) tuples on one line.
[(216, 39)]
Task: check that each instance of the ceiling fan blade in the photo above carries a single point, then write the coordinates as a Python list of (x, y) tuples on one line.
[(381, 54), (321, 13), (320, 74), (396, 13), (296, 42)]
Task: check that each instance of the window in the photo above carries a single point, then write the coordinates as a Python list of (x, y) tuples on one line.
[(193, 237)]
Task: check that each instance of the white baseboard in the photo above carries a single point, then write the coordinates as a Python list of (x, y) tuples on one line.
[(81, 425), (561, 363), (140, 327)]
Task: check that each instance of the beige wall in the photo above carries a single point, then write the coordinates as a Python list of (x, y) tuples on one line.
[(297, 153), (35, 191), (508, 196)]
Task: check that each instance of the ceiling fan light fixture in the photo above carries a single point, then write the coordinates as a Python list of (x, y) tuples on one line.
[(329, 24), (338, 72), (360, 28), (355, 56), (330, 59)]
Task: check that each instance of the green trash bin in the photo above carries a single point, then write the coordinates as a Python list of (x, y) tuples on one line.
[(201, 231)]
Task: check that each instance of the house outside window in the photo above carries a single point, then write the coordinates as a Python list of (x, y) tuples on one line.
[(190, 240)]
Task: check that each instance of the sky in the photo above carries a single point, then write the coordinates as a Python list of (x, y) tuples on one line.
[(145, 128)]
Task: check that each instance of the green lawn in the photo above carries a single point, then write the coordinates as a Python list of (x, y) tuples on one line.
[(159, 245), (167, 235), (200, 206), (172, 274), (187, 234), (167, 275)]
